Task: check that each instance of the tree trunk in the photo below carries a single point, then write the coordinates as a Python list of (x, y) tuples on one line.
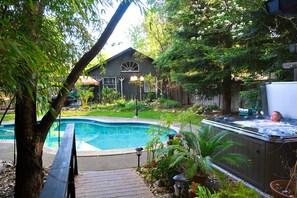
[(227, 83), (29, 148), (29, 154), (30, 136)]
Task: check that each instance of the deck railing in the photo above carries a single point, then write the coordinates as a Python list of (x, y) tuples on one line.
[(60, 181)]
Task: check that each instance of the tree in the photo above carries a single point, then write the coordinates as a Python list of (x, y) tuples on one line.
[(37, 38), (152, 38), (85, 93), (212, 43)]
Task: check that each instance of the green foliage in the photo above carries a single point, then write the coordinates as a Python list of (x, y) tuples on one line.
[(130, 105), (212, 107), (155, 145), (205, 45), (40, 45), (229, 190), (39, 42), (120, 103), (167, 119), (237, 190), (169, 103), (146, 172), (186, 119), (200, 150), (150, 37), (216, 146), (197, 109), (251, 97), (163, 171), (202, 191), (108, 96), (85, 93)]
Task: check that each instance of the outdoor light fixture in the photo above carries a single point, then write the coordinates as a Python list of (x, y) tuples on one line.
[(138, 153), (179, 183), (135, 79)]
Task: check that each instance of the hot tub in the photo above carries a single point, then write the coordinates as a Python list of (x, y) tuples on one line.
[(270, 146)]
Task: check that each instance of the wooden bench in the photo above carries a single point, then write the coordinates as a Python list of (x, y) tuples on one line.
[(60, 181)]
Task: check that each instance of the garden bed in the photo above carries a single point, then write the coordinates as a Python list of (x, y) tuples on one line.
[(216, 186)]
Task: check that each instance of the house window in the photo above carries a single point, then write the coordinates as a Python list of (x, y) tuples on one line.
[(109, 83), (147, 88), (130, 66)]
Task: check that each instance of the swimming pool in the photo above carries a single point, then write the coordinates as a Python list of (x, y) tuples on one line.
[(92, 135)]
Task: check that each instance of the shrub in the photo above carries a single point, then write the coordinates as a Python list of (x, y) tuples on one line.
[(212, 107), (238, 190), (197, 108), (130, 105), (109, 95), (120, 103), (163, 172), (169, 103), (202, 191), (203, 148)]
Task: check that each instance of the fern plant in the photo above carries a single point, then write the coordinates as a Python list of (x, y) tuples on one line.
[(199, 150)]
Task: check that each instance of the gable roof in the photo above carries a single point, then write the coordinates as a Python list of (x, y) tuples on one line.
[(129, 50)]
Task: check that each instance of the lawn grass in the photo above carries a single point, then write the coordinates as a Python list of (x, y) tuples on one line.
[(147, 114), (8, 116)]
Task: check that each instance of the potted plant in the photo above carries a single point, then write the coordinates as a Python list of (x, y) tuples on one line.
[(199, 150), (285, 188)]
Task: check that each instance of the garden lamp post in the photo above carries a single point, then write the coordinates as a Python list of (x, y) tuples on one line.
[(138, 153), (137, 81), (179, 182)]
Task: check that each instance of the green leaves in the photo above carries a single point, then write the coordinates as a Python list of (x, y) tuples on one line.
[(210, 42), (198, 151)]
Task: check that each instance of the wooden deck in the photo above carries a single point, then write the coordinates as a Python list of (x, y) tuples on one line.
[(112, 183)]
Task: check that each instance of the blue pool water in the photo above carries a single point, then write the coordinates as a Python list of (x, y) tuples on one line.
[(95, 135)]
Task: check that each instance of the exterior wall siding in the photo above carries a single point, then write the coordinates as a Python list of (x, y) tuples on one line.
[(113, 69)]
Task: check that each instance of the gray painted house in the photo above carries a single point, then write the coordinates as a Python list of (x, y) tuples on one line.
[(118, 71)]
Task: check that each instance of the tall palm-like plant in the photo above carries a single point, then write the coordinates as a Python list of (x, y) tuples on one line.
[(199, 150)]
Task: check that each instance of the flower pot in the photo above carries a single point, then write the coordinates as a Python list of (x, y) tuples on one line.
[(276, 186)]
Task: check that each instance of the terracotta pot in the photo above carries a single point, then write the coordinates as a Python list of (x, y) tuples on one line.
[(275, 192)]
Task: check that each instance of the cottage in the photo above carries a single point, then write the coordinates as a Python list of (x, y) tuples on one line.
[(116, 74)]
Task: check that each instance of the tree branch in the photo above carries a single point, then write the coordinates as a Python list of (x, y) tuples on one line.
[(57, 104)]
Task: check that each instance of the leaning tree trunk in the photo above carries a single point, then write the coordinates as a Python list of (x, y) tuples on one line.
[(30, 136)]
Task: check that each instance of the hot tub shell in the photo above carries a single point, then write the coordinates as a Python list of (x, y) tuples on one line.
[(268, 154)]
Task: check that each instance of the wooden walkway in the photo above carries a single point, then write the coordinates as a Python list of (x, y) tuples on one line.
[(111, 183)]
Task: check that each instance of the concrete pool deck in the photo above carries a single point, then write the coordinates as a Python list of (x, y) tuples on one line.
[(92, 160)]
